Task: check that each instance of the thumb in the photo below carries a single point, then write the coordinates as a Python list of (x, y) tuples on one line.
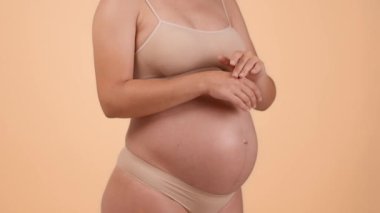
[(225, 63)]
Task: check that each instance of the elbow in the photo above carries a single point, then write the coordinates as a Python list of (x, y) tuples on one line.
[(269, 99), (113, 103), (110, 114), (264, 107), (115, 110), (110, 102), (109, 109), (268, 103), (112, 108)]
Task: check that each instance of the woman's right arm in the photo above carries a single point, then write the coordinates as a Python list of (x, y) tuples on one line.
[(121, 96)]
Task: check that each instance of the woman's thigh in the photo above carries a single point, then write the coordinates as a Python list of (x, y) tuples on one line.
[(125, 194), (235, 205)]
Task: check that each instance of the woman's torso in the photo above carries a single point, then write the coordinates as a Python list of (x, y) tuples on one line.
[(206, 142)]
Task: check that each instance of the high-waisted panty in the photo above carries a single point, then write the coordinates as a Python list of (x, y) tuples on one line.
[(191, 198)]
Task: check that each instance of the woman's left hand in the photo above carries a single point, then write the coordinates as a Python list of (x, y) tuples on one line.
[(243, 63)]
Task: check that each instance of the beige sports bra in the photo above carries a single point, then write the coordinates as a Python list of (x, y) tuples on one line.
[(172, 49)]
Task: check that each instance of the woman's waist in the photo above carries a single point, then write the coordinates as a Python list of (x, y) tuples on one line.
[(200, 128), (202, 113), (192, 123)]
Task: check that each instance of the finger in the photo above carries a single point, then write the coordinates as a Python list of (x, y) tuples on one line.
[(248, 66), (225, 62), (256, 68), (235, 57), (244, 97), (250, 93), (257, 91), (223, 59), (239, 66), (237, 101), (235, 62), (253, 87)]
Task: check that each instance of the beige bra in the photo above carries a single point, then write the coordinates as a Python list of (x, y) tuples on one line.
[(172, 49)]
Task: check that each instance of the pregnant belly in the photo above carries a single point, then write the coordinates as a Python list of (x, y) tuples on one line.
[(205, 142)]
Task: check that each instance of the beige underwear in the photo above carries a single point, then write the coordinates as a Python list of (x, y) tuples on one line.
[(192, 199)]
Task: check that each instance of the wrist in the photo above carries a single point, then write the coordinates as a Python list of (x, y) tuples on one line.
[(201, 83)]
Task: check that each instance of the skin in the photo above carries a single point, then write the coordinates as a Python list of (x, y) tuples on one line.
[(221, 98)]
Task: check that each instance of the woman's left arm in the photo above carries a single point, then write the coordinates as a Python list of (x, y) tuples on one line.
[(247, 63)]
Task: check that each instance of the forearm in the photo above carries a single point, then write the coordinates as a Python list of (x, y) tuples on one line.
[(267, 88), (141, 97)]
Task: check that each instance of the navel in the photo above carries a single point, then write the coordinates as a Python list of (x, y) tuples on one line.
[(245, 141)]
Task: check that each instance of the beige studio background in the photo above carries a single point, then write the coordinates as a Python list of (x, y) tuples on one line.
[(318, 143)]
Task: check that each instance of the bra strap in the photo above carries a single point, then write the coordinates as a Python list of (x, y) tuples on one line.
[(153, 10), (226, 13)]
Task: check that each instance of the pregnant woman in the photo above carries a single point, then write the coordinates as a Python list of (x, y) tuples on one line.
[(186, 74)]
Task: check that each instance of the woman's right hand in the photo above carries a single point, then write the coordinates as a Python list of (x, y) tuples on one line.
[(241, 92)]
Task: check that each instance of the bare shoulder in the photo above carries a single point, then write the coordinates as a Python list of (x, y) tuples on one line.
[(232, 5), (110, 11)]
